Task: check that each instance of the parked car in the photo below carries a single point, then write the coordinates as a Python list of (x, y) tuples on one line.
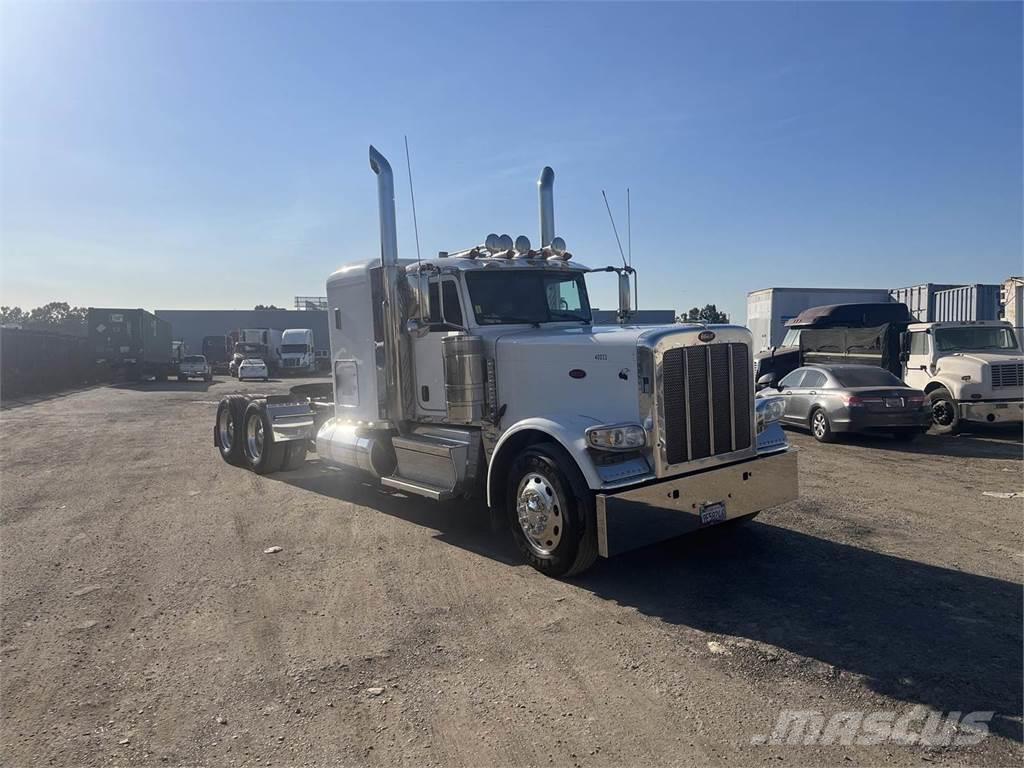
[(194, 367), (252, 368), (832, 399)]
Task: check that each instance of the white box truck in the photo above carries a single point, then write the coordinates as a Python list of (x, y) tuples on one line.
[(480, 372)]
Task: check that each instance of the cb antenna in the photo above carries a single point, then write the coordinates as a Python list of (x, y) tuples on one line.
[(629, 230), (614, 228), (412, 195)]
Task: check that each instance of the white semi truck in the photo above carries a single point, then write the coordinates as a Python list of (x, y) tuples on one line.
[(480, 373), (297, 353)]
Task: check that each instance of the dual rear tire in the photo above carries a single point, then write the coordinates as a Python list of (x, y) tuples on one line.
[(245, 437)]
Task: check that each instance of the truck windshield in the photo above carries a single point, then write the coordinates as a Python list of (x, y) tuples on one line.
[(294, 348), (507, 296), (974, 338)]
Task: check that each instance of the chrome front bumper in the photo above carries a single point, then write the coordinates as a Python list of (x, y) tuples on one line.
[(663, 510), (993, 412)]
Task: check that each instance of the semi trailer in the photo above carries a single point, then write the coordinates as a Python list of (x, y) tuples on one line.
[(480, 373), (132, 343)]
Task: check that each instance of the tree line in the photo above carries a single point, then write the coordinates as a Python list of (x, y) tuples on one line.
[(56, 314)]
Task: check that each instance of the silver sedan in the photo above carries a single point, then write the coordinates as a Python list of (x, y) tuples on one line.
[(831, 399)]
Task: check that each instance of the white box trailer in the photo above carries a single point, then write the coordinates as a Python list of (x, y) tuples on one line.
[(768, 309)]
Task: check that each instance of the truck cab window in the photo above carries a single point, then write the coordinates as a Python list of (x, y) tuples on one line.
[(919, 343), (452, 307), (511, 296)]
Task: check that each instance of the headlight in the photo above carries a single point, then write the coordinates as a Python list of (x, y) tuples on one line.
[(624, 437), (767, 410)]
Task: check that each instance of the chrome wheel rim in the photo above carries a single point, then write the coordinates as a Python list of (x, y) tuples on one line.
[(942, 412), (254, 437), (539, 512), (226, 428), (819, 424)]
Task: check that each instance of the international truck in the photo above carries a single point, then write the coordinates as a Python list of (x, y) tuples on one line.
[(479, 373), (970, 371), (297, 352), (131, 343)]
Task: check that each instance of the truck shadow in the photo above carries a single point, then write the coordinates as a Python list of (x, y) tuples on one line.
[(173, 385), (467, 524), (981, 443), (915, 632)]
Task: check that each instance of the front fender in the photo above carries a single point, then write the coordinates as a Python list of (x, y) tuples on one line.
[(567, 432)]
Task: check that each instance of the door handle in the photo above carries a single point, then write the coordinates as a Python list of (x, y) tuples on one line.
[(812, 392)]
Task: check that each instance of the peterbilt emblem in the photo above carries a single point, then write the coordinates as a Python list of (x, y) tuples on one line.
[(706, 336)]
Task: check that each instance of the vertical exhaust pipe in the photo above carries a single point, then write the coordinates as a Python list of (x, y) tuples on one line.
[(391, 273), (545, 188)]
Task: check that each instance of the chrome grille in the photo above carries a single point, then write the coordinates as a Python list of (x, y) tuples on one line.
[(1008, 375), (706, 396)]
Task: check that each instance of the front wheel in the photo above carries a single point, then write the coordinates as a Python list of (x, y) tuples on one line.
[(551, 511), (945, 413)]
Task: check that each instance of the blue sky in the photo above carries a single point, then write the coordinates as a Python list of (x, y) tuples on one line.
[(176, 156)]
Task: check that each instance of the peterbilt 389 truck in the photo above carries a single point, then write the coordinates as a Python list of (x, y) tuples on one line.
[(480, 373)]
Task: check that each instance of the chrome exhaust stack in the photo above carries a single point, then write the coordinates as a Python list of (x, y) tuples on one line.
[(393, 319), (545, 189)]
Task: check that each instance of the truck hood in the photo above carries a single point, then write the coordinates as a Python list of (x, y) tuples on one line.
[(587, 371), (583, 371), (982, 358)]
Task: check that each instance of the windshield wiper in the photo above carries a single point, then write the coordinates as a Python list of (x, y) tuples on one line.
[(506, 320)]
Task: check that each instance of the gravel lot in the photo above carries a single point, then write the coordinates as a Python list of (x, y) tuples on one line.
[(142, 623)]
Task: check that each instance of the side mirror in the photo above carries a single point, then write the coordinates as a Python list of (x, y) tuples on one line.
[(763, 382), (904, 356), (419, 284)]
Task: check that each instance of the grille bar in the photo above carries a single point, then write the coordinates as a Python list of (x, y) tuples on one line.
[(1008, 375), (706, 395)]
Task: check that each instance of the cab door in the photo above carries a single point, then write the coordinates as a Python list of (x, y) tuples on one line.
[(919, 358), (428, 359)]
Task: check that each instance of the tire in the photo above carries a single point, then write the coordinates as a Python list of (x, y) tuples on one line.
[(228, 428), (182, 378), (945, 413), (294, 455), (262, 454), (820, 426), (907, 435), (558, 533)]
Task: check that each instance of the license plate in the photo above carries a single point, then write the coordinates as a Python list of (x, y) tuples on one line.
[(713, 512), (894, 402)]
